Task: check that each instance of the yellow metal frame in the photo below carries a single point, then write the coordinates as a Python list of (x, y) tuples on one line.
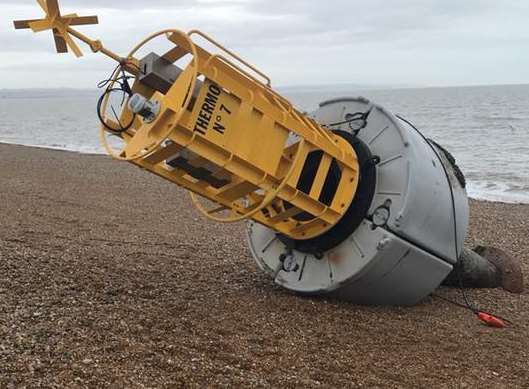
[(261, 189), (229, 141), (270, 197)]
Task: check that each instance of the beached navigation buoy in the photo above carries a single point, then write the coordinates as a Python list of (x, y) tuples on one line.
[(350, 201)]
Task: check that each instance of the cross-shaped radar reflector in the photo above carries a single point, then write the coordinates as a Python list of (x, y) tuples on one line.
[(59, 24)]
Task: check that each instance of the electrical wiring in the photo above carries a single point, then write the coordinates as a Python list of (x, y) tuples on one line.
[(124, 89)]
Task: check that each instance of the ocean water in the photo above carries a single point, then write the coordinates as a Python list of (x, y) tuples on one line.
[(485, 128)]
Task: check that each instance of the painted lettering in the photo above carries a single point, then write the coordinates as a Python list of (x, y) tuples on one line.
[(219, 128), (207, 110)]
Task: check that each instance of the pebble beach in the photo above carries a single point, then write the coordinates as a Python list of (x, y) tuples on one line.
[(110, 279)]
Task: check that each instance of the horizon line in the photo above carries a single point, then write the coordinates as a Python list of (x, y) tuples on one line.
[(310, 86)]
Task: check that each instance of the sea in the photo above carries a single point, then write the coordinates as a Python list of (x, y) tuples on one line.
[(486, 128)]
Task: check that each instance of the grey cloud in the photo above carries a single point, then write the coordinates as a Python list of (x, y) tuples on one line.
[(130, 4), (398, 41)]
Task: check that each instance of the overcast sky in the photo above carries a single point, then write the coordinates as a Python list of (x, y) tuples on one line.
[(296, 42)]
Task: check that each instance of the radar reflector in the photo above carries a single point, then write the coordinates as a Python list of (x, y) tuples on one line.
[(59, 24)]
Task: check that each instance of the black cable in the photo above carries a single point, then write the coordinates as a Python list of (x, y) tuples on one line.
[(453, 302), (100, 114), (122, 87), (457, 304), (355, 117), (454, 212)]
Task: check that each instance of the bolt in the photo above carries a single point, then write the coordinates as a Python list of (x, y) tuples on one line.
[(383, 244), (289, 263)]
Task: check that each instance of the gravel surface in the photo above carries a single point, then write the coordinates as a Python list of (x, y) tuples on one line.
[(109, 279)]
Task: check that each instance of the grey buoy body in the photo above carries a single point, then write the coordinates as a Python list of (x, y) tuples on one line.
[(411, 236)]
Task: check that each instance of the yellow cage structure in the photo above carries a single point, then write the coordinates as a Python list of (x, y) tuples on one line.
[(224, 134)]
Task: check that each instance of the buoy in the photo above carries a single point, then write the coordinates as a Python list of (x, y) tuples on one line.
[(350, 201)]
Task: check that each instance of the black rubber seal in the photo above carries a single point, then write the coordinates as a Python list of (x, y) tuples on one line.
[(356, 212)]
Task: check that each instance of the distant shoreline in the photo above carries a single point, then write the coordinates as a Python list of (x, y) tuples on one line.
[(281, 88), (481, 198)]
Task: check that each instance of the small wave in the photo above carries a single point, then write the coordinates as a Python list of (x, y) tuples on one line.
[(498, 192), (501, 118)]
